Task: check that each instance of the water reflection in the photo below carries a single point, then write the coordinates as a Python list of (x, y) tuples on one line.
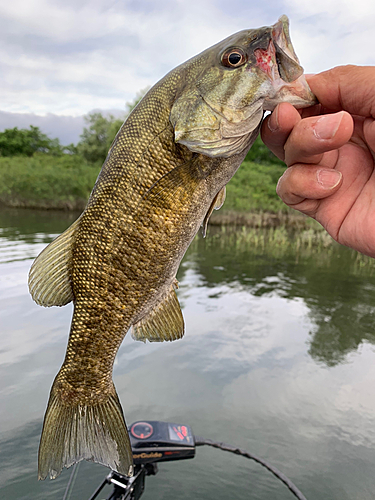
[(278, 358), (328, 278), (336, 284)]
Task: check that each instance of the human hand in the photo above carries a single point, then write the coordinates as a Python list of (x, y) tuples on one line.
[(330, 153)]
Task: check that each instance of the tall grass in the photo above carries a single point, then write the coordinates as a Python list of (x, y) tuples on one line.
[(278, 242), (253, 188), (46, 181)]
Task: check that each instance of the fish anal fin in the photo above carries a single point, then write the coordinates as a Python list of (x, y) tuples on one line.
[(49, 277), (217, 203), (164, 323), (72, 433)]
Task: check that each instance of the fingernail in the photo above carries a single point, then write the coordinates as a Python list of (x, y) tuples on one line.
[(326, 127), (328, 178), (273, 122)]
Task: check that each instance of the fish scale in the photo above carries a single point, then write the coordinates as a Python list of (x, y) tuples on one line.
[(165, 173)]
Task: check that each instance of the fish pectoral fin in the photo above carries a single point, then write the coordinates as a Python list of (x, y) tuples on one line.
[(164, 322), (50, 274), (217, 203)]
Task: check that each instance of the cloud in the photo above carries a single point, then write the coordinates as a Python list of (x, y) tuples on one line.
[(327, 35), (68, 57)]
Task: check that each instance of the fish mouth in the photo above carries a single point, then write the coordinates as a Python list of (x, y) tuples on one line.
[(281, 65)]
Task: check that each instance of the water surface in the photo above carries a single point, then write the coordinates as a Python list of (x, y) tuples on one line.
[(278, 358)]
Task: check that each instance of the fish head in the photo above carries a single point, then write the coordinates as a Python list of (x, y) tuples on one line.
[(230, 86)]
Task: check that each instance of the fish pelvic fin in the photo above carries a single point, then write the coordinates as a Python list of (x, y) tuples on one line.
[(216, 204), (50, 274), (95, 433), (164, 323)]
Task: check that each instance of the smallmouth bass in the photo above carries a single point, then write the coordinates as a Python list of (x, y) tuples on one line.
[(164, 175)]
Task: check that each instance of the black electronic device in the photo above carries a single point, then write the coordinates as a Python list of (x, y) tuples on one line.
[(151, 441), (155, 441)]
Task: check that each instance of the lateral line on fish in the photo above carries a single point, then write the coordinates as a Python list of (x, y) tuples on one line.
[(147, 194), (157, 195), (171, 195), (135, 169), (143, 153), (156, 184)]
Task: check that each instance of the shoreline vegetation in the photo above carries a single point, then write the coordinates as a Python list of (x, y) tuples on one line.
[(47, 182), (37, 172)]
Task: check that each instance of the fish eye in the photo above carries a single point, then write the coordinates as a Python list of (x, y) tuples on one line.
[(233, 58)]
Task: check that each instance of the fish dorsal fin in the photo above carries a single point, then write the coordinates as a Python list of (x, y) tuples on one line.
[(217, 203), (164, 322), (50, 274)]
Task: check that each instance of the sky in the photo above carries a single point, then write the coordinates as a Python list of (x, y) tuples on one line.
[(61, 59)]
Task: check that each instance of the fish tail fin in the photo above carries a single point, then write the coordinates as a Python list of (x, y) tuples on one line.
[(95, 432)]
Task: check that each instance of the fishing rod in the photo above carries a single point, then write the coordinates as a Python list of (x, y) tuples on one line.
[(156, 441)]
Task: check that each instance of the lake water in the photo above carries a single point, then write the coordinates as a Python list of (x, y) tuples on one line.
[(278, 358)]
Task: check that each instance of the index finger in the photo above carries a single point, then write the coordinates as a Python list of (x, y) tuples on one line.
[(349, 88)]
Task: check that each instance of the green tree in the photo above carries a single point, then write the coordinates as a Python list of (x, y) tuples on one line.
[(97, 137), (26, 142)]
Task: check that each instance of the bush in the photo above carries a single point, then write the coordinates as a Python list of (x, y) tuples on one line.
[(259, 153), (253, 187)]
